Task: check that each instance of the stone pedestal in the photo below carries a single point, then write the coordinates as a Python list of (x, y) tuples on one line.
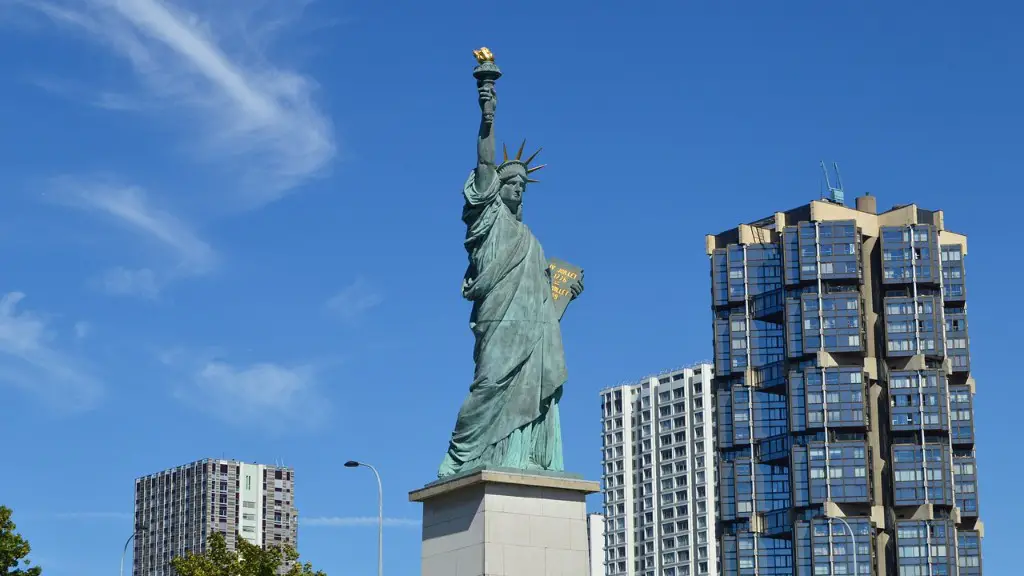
[(505, 523)]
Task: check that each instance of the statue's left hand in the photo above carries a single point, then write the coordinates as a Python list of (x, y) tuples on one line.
[(577, 288)]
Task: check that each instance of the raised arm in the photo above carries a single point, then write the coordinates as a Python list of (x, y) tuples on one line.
[(485, 168)]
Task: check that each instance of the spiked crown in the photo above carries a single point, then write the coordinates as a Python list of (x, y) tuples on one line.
[(518, 166)]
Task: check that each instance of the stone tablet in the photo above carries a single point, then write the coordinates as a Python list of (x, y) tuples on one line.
[(563, 276)]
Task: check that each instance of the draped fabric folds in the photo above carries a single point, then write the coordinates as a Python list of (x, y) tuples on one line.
[(510, 418)]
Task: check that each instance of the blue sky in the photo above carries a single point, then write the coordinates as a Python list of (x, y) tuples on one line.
[(232, 228)]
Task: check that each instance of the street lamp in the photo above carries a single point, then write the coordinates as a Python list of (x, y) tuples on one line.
[(853, 539), (126, 543), (380, 513)]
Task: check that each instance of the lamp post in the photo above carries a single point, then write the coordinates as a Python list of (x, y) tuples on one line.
[(380, 513), (126, 543), (853, 538)]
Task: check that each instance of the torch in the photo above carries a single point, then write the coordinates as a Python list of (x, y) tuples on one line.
[(486, 73)]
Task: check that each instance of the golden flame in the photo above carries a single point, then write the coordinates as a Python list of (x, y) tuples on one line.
[(483, 55)]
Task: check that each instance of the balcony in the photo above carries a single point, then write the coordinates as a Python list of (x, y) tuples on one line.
[(965, 483), (925, 547), (910, 254), (969, 552), (917, 401), (838, 472), (912, 329), (836, 328), (739, 272), (953, 274), (961, 414), (830, 251), (921, 475), (830, 398), (825, 546), (958, 344), (766, 417)]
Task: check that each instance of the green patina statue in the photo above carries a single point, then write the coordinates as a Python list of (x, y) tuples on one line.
[(510, 418)]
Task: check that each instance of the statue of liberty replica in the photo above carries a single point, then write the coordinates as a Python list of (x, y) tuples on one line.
[(510, 418)]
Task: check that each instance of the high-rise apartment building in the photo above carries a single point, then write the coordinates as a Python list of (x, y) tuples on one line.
[(176, 510), (659, 475), (844, 394)]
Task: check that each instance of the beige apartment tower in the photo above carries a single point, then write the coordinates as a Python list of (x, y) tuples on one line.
[(844, 394), (176, 510)]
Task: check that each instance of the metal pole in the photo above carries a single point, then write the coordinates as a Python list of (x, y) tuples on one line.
[(380, 513), (853, 538), (125, 551), (380, 522)]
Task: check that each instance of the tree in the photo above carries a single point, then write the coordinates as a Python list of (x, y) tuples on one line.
[(249, 560), (14, 549)]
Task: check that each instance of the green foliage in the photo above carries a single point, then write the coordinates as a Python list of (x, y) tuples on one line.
[(14, 549), (250, 560)]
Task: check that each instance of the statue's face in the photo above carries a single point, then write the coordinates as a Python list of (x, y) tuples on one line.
[(511, 192)]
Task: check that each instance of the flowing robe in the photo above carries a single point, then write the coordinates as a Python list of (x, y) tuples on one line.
[(510, 418)]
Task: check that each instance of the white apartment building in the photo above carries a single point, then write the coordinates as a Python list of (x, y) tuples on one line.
[(659, 478)]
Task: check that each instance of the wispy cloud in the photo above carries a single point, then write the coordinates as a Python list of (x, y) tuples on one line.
[(31, 359), (132, 208), (263, 392), (92, 515), (356, 298), (244, 113), (358, 521)]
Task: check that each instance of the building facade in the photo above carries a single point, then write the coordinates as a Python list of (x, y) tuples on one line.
[(658, 478), (595, 543), (844, 394), (176, 510)]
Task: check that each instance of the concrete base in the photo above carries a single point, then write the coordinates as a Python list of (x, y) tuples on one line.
[(505, 523)]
